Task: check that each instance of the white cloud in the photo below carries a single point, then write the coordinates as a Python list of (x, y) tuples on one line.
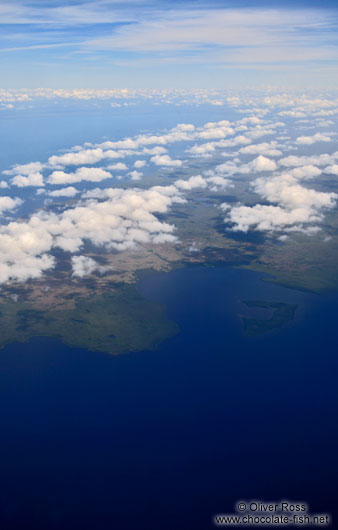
[(88, 174), (64, 192), (332, 170), (265, 148), (295, 207), (316, 160), (139, 163), (119, 166), (217, 132), (305, 172), (185, 127), (261, 163), (83, 266), (165, 160), (268, 217), (7, 203), (135, 175), (218, 183), (309, 140), (85, 156), (193, 182), (25, 169), (285, 190), (158, 150), (33, 179), (120, 220)]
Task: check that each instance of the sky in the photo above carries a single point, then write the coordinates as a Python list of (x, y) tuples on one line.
[(161, 44)]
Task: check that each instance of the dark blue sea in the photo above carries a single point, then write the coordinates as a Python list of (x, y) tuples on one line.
[(164, 440)]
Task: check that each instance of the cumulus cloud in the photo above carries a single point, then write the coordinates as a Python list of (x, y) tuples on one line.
[(139, 163), (261, 163), (332, 170), (25, 169), (218, 183), (216, 132), (83, 266), (305, 172), (116, 219), (309, 140), (85, 156), (135, 175), (206, 148), (165, 160), (185, 127), (119, 166), (285, 190), (294, 206), (158, 150), (267, 217), (193, 182), (7, 203), (316, 160), (265, 148), (64, 192), (93, 174), (33, 179)]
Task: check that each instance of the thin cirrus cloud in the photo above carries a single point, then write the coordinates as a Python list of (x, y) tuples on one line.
[(128, 36)]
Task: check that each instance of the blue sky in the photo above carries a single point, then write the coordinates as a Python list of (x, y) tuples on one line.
[(145, 43)]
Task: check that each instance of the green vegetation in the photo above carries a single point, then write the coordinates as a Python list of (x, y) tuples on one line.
[(118, 322), (282, 313)]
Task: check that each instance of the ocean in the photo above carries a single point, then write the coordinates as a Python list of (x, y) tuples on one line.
[(166, 439)]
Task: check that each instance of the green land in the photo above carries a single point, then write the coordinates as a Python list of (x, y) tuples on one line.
[(116, 322)]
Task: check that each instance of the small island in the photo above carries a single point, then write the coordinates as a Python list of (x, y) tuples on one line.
[(280, 313)]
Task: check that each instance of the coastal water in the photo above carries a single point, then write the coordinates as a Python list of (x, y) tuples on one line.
[(166, 439)]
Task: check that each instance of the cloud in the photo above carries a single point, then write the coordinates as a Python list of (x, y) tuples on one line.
[(209, 147), (139, 163), (165, 160), (85, 156), (316, 160), (119, 166), (295, 207), (135, 175), (193, 182), (7, 203), (64, 192), (309, 140), (25, 169), (216, 132), (226, 35), (268, 218), (261, 163), (33, 179), (93, 174), (218, 183), (332, 170), (158, 150), (265, 148), (116, 219), (285, 190), (83, 266), (305, 172)]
